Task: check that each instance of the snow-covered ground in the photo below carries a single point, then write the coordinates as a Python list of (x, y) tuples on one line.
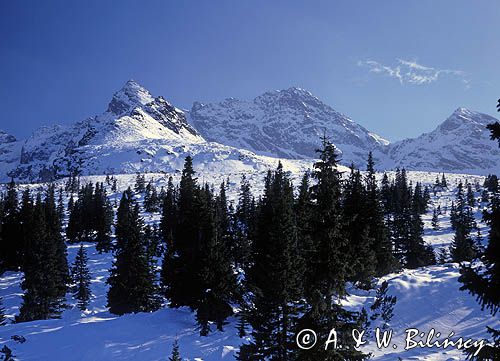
[(427, 298)]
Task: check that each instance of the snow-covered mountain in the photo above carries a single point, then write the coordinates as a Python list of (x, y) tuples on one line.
[(284, 123), (142, 133), (461, 144), (137, 133)]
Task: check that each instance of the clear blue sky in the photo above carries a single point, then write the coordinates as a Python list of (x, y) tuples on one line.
[(396, 67)]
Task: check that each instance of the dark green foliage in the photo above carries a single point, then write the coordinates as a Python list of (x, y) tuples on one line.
[(244, 225), (45, 266), (329, 262), (484, 282), (151, 199), (91, 217), (81, 279), (7, 354), (355, 213), (377, 229), (216, 273), (435, 220), (140, 183), (176, 355), (275, 276), (11, 257), (463, 247), (133, 286), (383, 307)]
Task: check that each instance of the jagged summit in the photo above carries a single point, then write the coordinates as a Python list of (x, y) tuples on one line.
[(284, 123), (6, 138), (460, 144), (131, 95), (140, 132)]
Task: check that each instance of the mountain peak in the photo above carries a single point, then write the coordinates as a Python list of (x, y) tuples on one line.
[(6, 138), (131, 95)]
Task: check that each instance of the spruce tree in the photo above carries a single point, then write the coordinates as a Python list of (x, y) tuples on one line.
[(381, 245), (216, 273), (181, 281), (435, 220), (12, 250), (45, 265), (362, 260), (176, 355), (81, 279), (463, 247), (484, 282), (244, 221), (275, 276), (329, 264), (133, 286)]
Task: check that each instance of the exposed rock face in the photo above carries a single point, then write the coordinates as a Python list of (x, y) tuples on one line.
[(286, 123), (142, 133), (460, 144)]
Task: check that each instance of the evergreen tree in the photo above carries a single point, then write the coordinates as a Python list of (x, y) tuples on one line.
[(463, 247), (180, 269), (274, 278), (12, 250), (381, 244), (81, 279), (444, 183), (140, 183), (435, 220), (45, 265), (216, 273), (151, 198), (176, 355), (330, 265), (103, 219), (244, 220), (484, 282), (471, 200), (383, 307), (362, 258), (133, 286)]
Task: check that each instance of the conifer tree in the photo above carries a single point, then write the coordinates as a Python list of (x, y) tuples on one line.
[(176, 355), (329, 265), (444, 183), (362, 260), (435, 220), (133, 286), (45, 265), (463, 247), (151, 198), (216, 273), (181, 280), (81, 279), (244, 220), (12, 250), (471, 200), (381, 245), (274, 278), (140, 183), (484, 282)]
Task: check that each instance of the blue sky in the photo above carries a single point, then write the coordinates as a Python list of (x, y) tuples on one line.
[(398, 68)]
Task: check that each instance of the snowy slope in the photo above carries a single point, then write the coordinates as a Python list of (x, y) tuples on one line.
[(142, 133), (460, 144), (428, 298), (10, 150), (137, 133), (284, 123)]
